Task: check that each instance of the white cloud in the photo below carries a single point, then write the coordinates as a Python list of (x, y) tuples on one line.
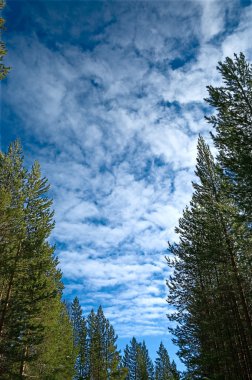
[(212, 20), (115, 129), (240, 39)]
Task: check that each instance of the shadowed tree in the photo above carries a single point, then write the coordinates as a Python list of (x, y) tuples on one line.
[(214, 325), (145, 365), (232, 123), (211, 286)]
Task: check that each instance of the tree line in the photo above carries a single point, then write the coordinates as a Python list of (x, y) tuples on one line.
[(98, 356), (211, 285)]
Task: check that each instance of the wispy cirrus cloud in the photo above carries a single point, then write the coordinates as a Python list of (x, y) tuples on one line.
[(111, 105)]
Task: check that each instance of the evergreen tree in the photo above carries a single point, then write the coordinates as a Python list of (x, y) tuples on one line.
[(126, 361), (137, 361), (30, 282), (164, 369), (104, 358), (174, 371), (80, 340), (56, 355), (96, 362), (214, 330), (145, 365), (130, 359), (233, 138), (211, 286)]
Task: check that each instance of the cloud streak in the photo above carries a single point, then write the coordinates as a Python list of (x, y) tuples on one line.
[(112, 110)]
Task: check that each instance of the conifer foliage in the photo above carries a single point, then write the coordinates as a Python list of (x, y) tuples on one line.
[(137, 361), (80, 340), (95, 339), (232, 123), (30, 283), (164, 369), (211, 285)]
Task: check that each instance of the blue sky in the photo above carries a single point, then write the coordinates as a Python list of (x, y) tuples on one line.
[(108, 97)]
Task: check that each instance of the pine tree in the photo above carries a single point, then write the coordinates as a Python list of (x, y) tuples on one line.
[(80, 340), (137, 361), (96, 361), (214, 330), (233, 138), (144, 363), (56, 355), (164, 369), (30, 281), (130, 359), (126, 361), (104, 358)]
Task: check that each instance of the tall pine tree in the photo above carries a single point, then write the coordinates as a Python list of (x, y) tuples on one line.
[(232, 123), (130, 359), (214, 326), (30, 281)]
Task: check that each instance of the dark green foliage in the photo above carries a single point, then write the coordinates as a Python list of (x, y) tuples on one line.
[(56, 354), (214, 331), (211, 286), (130, 359), (80, 340), (95, 340), (164, 369), (126, 361), (232, 123)]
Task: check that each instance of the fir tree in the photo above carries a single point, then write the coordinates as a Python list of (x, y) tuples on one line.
[(126, 361), (56, 355), (164, 369), (130, 360)]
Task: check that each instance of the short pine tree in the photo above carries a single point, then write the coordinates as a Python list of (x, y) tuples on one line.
[(164, 369), (80, 340)]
